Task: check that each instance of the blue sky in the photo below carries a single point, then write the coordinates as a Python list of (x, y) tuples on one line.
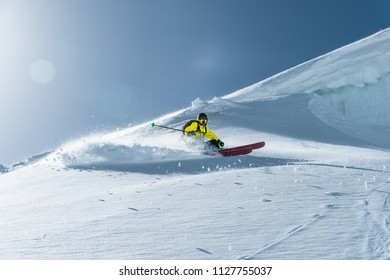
[(69, 68)]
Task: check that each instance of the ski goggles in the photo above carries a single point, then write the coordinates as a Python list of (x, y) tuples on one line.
[(203, 121)]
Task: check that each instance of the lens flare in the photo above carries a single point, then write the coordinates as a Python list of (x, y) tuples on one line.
[(42, 71)]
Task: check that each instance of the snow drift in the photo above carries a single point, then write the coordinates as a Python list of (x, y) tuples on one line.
[(319, 189)]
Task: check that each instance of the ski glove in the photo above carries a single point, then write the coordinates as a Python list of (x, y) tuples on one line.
[(220, 144)]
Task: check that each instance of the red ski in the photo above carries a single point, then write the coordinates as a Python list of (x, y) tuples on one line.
[(235, 152), (240, 150)]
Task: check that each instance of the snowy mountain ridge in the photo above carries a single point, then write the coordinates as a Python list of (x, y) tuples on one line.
[(361, 63), (319, 189)]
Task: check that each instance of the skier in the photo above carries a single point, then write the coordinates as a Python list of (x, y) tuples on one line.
[(199, 128)]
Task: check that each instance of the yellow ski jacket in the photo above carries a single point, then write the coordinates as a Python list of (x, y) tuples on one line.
[(196, 129)]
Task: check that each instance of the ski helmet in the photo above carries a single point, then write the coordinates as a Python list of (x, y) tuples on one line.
[(202, 116)]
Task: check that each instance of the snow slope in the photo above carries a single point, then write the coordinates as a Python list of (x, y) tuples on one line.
[(319, 189)]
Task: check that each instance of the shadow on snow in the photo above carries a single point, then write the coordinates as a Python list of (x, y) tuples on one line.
[(193, 166)]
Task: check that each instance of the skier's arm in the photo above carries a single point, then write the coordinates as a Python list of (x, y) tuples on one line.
[(210, 135)]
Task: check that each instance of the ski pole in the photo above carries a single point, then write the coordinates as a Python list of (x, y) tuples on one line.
[(167, 127)]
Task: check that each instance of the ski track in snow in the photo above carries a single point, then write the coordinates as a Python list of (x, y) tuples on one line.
[(372, 234)]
